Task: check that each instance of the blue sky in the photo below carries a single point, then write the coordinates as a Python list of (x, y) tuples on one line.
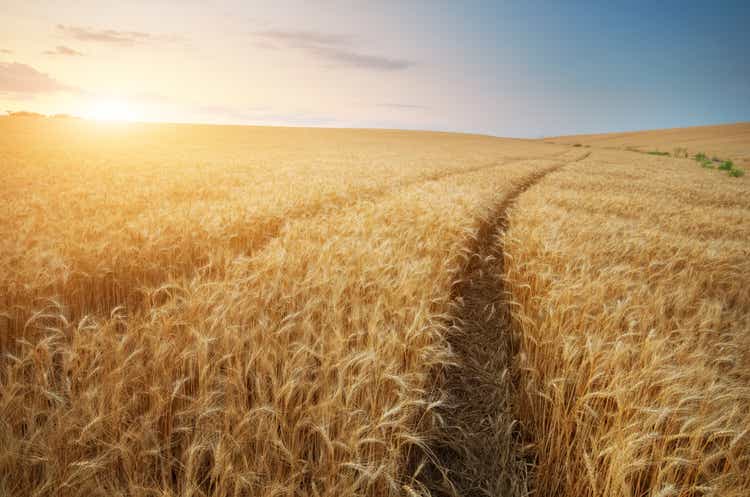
[(525, 69)]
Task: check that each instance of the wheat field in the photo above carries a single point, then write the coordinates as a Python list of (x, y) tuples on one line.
[(727, 141), (247, 311), (630, 287)]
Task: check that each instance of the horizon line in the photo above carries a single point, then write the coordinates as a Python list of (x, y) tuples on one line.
[(64, 116)]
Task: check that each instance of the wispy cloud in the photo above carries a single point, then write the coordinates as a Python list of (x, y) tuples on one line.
[(63, 50), (336, 49), (305, 37), (111, 36), (19, 78), (389, 105), (364, 61)]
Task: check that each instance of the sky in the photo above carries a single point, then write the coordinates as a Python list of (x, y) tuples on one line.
[(507, 68)]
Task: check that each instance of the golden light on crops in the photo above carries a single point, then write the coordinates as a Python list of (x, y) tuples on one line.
[(227, 311)]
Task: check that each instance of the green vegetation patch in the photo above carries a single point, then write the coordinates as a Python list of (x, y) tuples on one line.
[(715, 163)]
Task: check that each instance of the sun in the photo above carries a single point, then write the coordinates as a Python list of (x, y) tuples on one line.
[(111, 110)]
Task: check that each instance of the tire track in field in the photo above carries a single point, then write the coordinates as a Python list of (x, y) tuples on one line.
[(105, 292), (476, 451), (348, 199), (318, 208)]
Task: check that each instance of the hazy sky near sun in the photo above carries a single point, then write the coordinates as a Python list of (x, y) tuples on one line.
[(513, 68)]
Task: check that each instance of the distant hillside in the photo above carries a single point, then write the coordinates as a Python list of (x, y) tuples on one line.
[(727, 141)]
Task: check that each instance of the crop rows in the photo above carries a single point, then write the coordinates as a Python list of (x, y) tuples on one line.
[(238, 311)]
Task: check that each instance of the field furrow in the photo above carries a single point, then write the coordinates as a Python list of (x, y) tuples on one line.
[(476, 451)]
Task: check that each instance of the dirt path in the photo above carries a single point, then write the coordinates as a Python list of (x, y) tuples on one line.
[(478, 448)]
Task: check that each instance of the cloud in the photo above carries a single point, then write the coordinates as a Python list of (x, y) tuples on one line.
[(401, 106), (364, 61), (63, 50), (333, 48), (22, 79), (111, 36), (305, 37)]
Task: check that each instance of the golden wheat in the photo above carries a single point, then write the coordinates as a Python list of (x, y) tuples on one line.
[(239, 311), (630, 286), (191, 324), (726, 141)]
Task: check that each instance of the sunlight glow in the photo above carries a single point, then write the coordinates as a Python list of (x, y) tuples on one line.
[(111, 110)]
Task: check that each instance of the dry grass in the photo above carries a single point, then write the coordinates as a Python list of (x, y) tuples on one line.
[(630, 282), (236, 311)]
